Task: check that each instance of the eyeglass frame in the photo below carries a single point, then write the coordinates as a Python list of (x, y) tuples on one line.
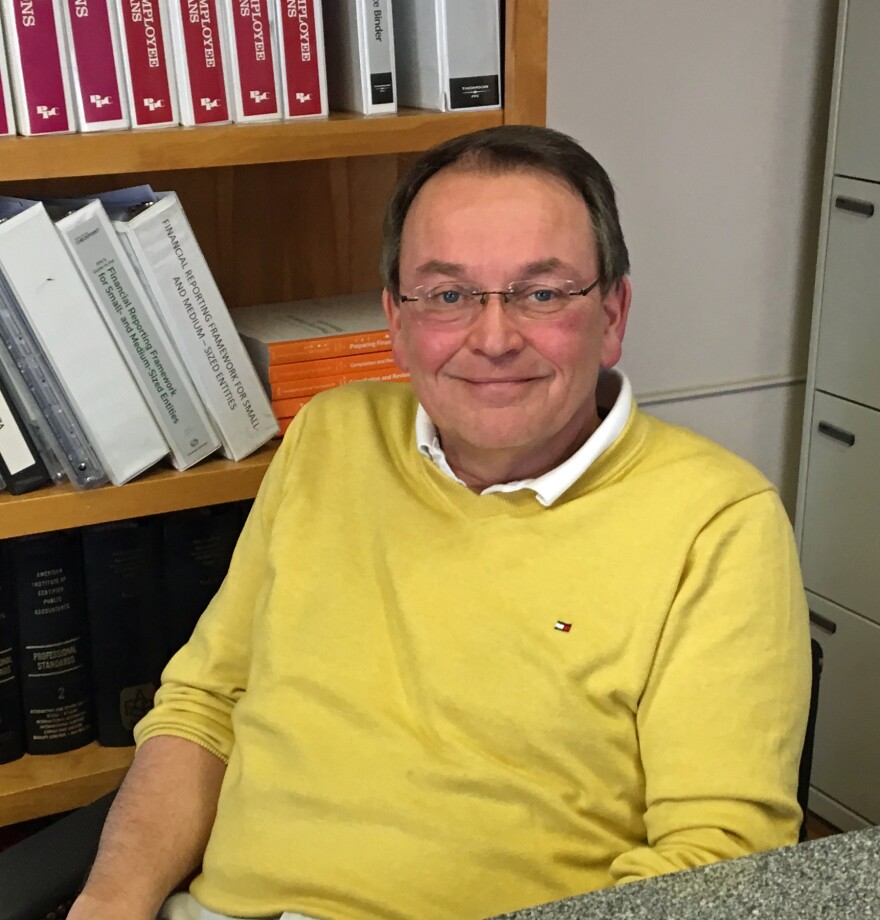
[(506, 294)]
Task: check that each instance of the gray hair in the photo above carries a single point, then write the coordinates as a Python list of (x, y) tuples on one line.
[(507, 149)]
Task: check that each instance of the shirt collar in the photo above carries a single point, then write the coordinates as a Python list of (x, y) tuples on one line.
[(614, 389)]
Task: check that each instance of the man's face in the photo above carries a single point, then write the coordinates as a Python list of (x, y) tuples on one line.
[(506, 385)]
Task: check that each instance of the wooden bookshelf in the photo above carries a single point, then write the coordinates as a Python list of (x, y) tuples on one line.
[(212, 482), (342, 135), (281, 211), (35, 786)]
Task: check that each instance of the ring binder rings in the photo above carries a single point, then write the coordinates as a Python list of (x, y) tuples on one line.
[(76, 455)]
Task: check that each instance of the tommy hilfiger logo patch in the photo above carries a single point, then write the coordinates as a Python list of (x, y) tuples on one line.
[(562, 626)]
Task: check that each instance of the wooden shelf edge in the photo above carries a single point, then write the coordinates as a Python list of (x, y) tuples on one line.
[(340, 135), (34, 786), (157, 491)]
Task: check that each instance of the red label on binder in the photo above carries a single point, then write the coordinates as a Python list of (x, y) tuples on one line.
[(5, 122), (301, 58), (92, 40), (145, 45), (40, 59), (255, 61), (204, 60)]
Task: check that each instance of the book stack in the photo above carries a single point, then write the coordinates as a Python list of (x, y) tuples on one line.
[(82, 645), (301, 348), (95, 65), (116, 347)]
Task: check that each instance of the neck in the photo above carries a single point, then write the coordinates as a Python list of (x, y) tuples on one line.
[(479, 468)]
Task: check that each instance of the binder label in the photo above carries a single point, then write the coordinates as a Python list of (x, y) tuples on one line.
[(13, 448), (380, 52), (151, 95), (92, 39), (36, 28), (473, 92), (301, 58), (381, 88), (204, 60), (255, 60)]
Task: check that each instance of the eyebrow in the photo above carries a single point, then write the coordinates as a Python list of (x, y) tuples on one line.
[(541, 267), (439, 267), (530, 270)]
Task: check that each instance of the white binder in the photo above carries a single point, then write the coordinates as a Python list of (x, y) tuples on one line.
[(68, 328), (134, 324), (196, 318), (448, 54), (359, 35)]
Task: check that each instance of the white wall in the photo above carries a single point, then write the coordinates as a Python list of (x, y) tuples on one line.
[(710, 117)]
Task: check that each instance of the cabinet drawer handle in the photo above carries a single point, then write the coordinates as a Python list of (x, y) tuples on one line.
[(823, 623), (839, 434), (856, 205)]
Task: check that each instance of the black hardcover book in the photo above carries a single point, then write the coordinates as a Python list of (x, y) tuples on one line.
[(197, 548), (122, 565), (21, 467), (46, 579), (11, 723)]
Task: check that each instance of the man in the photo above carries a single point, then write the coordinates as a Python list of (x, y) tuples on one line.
[(489, 642)]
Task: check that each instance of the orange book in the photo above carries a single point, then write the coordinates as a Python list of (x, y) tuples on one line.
[(294, 389), (327, 367), (305, 330)]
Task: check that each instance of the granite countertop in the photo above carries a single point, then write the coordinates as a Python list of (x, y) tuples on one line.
[(836, 878)]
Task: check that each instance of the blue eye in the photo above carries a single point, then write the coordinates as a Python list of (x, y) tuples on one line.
[(545, 295), (450, 297)]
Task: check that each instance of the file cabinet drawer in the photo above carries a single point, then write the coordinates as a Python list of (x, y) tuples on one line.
[(858, 132), (846, 755), (840, 550), (849, 327)]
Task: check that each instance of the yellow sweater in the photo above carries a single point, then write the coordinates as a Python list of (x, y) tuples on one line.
[(411, 731)]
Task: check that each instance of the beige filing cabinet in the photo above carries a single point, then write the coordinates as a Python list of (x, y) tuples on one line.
[(838, 518)]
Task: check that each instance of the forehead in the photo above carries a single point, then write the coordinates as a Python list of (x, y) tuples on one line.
[(482, 219)]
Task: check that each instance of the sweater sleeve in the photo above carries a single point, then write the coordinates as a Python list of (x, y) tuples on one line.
[(722, 718), (204, 680)]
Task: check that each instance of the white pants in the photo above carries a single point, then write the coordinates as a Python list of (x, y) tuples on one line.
[(184, 906)]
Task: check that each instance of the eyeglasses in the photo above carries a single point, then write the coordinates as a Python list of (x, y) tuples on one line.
[(459, 303)]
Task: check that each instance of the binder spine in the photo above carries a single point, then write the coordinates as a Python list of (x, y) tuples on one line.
[(303, 65), (470, 42), (253, 60), (200, 57), (132, 321), (419, 53), (38, 66), (96, 64), (379, 80), (197, 319), (127, 641), (7, 114), (148, 63), (48, 599)]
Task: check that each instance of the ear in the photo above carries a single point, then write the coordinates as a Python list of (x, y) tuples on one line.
[(615, 306), (392, 316)]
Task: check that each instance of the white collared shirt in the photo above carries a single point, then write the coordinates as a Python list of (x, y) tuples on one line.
[(550, 485)]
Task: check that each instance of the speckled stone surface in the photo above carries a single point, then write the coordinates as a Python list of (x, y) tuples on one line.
[(836, 878)]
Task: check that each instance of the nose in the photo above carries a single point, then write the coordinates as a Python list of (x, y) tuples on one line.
[(493, 333)]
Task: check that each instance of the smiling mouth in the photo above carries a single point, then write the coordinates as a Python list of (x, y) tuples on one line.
[(497, 381)]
